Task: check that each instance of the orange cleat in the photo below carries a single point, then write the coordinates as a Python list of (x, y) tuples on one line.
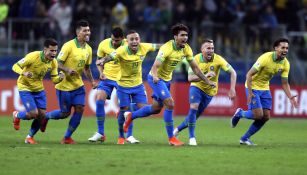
[(121, 141), (67, 141), (16, 121), (44, 124), (128, 120), (175, 142), (30, 140)]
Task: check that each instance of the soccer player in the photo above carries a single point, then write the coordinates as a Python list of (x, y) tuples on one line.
[(32, 69), (130, 84), (108, 77), (169, 55), (258, 93), (74, 58), (201, 93)]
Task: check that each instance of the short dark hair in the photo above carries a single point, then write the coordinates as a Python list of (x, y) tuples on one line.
[(82, 23), (50, 42), (280, 40), (131, 31), (118, 32), (207, 40), (179, 27)]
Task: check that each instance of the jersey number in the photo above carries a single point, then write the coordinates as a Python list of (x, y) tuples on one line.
[(81, 63)]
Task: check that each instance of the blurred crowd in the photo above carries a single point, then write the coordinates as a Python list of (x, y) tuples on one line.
[(154, 17)]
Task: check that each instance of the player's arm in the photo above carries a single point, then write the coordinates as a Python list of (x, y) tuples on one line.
[(55, 76), (104, 60), (20, 65), (249, 76), (286, 87), (100, 70), (199, 73), (233, 80), (154, 70), (88, 73), (194, 78), (66, 69)]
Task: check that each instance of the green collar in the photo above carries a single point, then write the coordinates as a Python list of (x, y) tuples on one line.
[(204, 60), (274, 57), (174, 45), (78, 44), (42, 57), (130, 51)]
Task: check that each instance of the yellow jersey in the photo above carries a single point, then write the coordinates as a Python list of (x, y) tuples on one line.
[(38, 65), (131, 64), (111, 69), (170, 56), (215, 65), (75, 57), (267, 66)]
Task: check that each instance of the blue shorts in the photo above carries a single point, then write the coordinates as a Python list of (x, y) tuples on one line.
[(262, 99), (107, 86), (127, 95), (198, 96), (33, 100), (67, 99), (161, 89)]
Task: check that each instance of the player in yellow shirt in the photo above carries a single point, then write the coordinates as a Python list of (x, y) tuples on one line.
[(258, 93), (32, 69), (74, 58), (170, 54), (201, 93), (130, 84), (108, 77)]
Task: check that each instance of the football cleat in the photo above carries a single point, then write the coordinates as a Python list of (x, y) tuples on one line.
[(132, 140), (97, 137), (16, 121), (67, 141), (30, 140), (128, 120), (175, 142), (247, 142), (235, 118), (44, 124), (192, 141), (121, 141)]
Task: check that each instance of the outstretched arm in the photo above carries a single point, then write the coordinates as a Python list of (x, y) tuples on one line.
[(198, 72), (286, 87), (88, 74), (233, 80)]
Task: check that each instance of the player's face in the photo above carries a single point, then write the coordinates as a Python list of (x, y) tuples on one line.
[(84, 33), (282, 50), (116, 42), (208, 50), (181, 39), (50, 52), (133, 40)]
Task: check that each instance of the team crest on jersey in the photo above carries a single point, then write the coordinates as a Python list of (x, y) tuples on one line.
[(211, 68)]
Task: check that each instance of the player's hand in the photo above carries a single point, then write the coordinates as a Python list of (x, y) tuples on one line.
[(102, 76), (72, 72), (61, 75), (232, 94), (28, 74), (156, 79), (249, 98), (210, 74), (94, 84), (293, 101), (99, 62), (212, 84)]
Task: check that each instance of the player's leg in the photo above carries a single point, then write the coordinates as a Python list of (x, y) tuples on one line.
[(254, 108), (132, 107), (31, 109), (78, 101), (260, 117)]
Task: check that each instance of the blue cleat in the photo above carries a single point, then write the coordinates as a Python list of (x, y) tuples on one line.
[(247, 142), (236, 118)]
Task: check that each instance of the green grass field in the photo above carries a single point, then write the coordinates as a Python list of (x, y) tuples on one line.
[(282, 149)]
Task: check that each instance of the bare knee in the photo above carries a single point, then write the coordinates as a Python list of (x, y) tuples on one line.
[(258, 114), (194, 106), (33, 114), (79, 109), (169, 103), (65, 115)]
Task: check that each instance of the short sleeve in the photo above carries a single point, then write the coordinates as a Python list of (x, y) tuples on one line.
[(260, 63), (65, 51), (164, 52), (188, 53), (285, 72)]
